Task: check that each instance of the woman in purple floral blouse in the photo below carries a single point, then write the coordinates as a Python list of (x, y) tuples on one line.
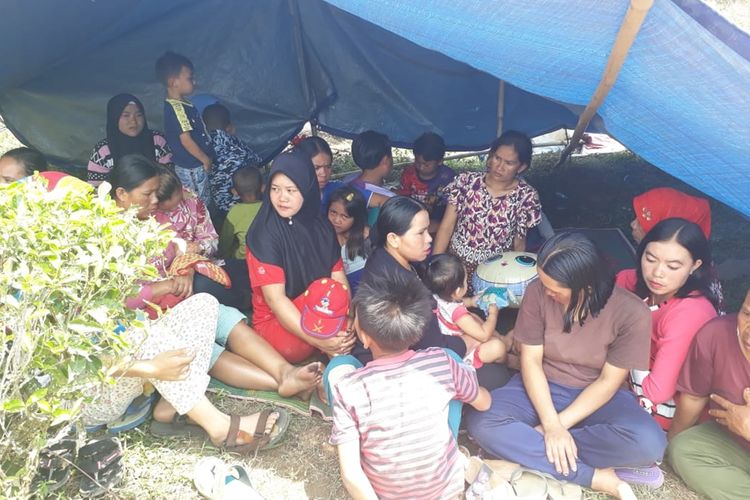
[(491, 212)]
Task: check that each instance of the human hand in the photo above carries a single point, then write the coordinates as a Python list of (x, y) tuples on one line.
[(734, 417), (493, 310), (171, 365), (161, 288), (339, 344), (183, 285), (207, 165), (561, 448)]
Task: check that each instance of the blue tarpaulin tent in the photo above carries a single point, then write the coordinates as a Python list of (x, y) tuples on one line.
[(399, 66)]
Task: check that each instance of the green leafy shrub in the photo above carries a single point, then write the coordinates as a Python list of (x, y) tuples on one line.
[(67, 259)]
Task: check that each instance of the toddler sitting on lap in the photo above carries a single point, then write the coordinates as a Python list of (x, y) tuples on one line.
[(392, 415), (446, 279), (181, 209)]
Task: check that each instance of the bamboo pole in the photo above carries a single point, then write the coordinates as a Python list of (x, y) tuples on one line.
[(500, 107), (629, 28)]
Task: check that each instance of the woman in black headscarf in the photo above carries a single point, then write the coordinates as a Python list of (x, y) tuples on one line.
[(127, 133), (290, 244)]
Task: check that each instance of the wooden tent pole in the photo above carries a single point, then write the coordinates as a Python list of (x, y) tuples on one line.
[(500, 107), (629, 28)]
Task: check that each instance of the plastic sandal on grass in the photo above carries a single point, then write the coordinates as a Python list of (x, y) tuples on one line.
[(99, 463), (562, 490), (524, 484), (484, 484), (178, 427), (261, 440), (137, 413), (528, 484), (55, 463), (216, 480)]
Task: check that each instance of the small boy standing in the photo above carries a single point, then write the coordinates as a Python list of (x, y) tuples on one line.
[(186, 133), (230, 155), (425, 180), (391, 416), (248, 187)]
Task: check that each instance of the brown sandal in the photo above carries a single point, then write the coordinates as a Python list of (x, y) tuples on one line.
[(261, 439)]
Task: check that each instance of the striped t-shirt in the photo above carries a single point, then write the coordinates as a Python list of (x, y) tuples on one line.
[(397, 407)]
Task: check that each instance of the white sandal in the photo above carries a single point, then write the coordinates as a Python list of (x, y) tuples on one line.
[(216, 480)]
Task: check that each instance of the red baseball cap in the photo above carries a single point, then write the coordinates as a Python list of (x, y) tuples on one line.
[(325, 308)]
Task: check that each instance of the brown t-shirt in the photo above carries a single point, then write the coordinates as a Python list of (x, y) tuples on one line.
[(619, 335), (716, 365)]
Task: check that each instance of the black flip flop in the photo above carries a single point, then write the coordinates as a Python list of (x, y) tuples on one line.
[(55, 463), (100, 466)]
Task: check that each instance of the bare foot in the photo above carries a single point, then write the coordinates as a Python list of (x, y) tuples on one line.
[(301, 380), (607, 481), (247, 429)]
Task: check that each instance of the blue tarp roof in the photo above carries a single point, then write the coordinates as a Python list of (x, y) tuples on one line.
[(399, 66)]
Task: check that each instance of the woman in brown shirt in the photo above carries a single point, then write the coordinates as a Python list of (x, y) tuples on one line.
[(566, 413)]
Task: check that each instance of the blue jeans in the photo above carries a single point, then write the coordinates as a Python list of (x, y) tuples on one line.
[(619, 434), (454, 407), (196, 180)]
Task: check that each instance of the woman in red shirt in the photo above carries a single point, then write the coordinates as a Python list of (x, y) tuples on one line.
[(290, 244)]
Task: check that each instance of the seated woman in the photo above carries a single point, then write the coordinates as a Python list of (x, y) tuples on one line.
[(673, 280), (19, 163), (174, 356), (127, 133), (566, 413), (658, 204), (290, 244), (490, 212), (347, 213), (187, 215), (711, 453), (319, 152), (240, 357), (400, 239)]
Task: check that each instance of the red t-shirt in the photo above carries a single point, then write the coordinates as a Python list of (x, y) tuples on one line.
[(262, 274), (716, 365)]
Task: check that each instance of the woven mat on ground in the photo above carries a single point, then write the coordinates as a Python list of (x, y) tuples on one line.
[(306, 408)]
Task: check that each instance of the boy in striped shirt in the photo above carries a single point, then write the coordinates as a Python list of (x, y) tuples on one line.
[(391, 416)]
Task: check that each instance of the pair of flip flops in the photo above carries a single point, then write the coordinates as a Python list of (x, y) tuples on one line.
[(217, 480), (181, 427), (527, 484), (100, 466), (98, 462)]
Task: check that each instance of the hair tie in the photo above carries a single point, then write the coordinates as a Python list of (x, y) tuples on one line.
[(349, 197)]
